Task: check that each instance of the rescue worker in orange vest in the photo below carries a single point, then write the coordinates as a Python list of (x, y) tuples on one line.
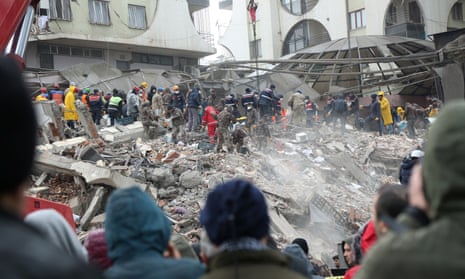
[(143, 87), (95, 104)]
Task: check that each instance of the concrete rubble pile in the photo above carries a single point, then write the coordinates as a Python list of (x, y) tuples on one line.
[(319, 183)]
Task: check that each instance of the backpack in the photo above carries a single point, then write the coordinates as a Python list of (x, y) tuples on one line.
[(339, 105)]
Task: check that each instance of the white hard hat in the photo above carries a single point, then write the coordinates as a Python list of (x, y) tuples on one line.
[(417, 153)]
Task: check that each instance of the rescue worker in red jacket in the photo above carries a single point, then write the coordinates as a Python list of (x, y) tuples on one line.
[(209, 119)]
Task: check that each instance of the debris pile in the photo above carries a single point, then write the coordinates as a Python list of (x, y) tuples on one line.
[(319, 184)]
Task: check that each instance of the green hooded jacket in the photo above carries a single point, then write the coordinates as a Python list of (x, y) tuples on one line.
[(437, 250)]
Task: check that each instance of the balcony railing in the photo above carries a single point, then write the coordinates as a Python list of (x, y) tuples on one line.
[(407, 29)]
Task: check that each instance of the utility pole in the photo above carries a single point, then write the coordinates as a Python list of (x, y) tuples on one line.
[(252, 8)]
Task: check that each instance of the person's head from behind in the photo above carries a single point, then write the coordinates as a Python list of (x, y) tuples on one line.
[(302, 244), (18, 137), (235, 210), (390, 201), (58, 231), (134, 225), (443, 165)]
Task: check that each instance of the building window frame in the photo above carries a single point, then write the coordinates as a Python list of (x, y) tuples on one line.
[(99, 12), (60, 10), (357, 19), (137, 17), (145, 58), (457, 11), (256, 48), (70, 51), (414, 13)]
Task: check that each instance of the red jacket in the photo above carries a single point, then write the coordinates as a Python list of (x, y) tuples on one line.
[(208, 117)]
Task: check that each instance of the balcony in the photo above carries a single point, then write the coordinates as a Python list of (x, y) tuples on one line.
[(225, 4), (195, 5), (407, 29)]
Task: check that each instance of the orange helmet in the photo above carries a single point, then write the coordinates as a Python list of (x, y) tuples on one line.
[(175, 88)]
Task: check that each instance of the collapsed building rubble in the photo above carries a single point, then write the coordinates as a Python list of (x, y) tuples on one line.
[(318, 187)]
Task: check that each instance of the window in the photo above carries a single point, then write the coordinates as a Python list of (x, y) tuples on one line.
[(152, 59), (304, 34), (414, 13), (256, 48), (457, 11), (70, 51), (299, 7), (137, 18), (122, 65), (60, 9), (99, 12), (357, 19), (391, 17), (46, 61)]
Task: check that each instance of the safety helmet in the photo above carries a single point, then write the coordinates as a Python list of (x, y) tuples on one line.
[(380, 93), (144, 84), (87, 90), (160, 89), (43, 90), (417, 153), (175, 88)]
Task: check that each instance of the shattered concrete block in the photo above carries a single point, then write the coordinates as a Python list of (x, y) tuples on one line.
[(41, 179), (190, 179), (98, 221), (301, 137), (89, 153), (59, 146), (75, 204), (169, 193), (37, 190), (94, 207), (161, 178)]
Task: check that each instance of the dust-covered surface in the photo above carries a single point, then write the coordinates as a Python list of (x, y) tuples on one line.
[(323, 186)]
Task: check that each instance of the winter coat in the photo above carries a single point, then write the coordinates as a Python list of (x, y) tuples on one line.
[(298, 260), (133, 103), (97, 251), (435, 250), (58, 231), (178, 100), (95, 103), (268, 264), (297, 101), (157, 101), (137, 233), (375, 109), (194, 99), (26, 253), (70, 112), (386, 111), (405, 170), (177, 117)]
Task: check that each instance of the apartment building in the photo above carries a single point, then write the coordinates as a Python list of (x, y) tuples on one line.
[(126, 34), (286, 26)]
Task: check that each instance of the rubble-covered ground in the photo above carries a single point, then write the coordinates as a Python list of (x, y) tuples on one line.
[(320, 188)]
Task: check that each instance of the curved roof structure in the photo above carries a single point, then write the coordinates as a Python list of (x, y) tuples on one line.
[(396, 65)]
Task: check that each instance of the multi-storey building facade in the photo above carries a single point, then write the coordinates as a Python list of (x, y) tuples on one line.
[(286, 26), (127, 34)]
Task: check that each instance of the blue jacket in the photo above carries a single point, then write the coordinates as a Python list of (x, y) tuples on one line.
[(137, 233), (178, 100), (405, 170), (194, 99)]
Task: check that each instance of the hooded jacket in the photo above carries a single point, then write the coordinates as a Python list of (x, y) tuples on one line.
[(58, 231), (434, 251), (137, 233), (385, 111), (405, 170)]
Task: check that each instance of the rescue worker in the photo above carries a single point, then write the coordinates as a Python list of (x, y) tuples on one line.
[(166, 96), (340, 111), (210, 119), (385, 113), (84, 95), (405, 170), (353, 105), (411, 116), (57, 94), (176, 117), (248, 98), (44, 96), (193, 105), (149, 120), (375, 115), (310, 110), (238, 136), (297, 105), (265, 103), (263, 134), (133, 103), (157, 102), (225, 119), (177, 99), (70, 112), (252, 117), (115, 107), (152, 91), (212, 99), (143, 91), (95, 106)]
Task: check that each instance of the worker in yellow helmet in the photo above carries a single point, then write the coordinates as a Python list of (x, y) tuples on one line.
[(143, 87)]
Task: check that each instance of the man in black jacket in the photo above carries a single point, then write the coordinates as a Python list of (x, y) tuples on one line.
[(25, 253)]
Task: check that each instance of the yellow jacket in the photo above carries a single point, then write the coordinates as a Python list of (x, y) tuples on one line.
[(386, 111), (70, 112)]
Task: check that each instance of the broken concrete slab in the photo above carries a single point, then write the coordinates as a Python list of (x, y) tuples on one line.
[(37, 190), (279, 224), (190, 179), (98, 221), (91, 174), (41, 179), (161, 177), (59, 146), (94, 207), (89, 153), (119, 134)]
